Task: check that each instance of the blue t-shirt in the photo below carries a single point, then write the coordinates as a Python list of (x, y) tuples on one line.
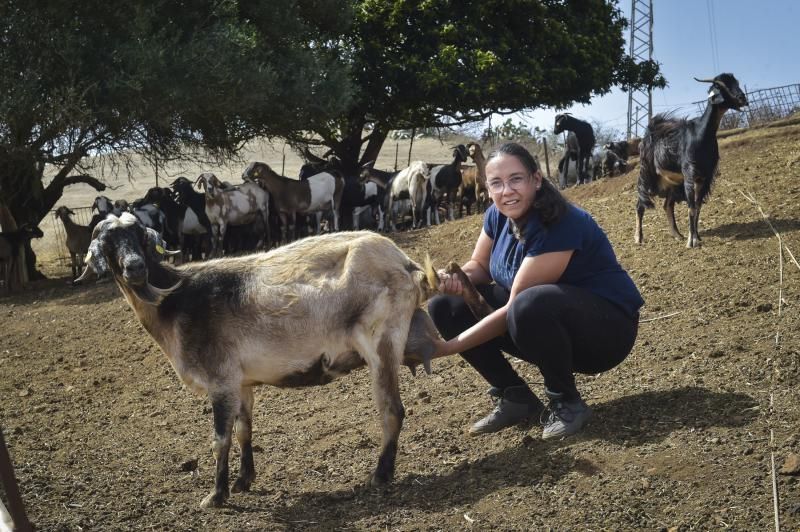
[(593, 265)]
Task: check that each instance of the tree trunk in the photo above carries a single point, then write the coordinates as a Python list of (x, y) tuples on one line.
[(22, 190), (374, 145)]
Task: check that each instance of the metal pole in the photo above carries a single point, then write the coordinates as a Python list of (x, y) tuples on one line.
[(283, 161), (546, 158), (396, 153), (410, 145)]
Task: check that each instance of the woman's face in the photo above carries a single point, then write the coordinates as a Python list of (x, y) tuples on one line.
[(511, 186)]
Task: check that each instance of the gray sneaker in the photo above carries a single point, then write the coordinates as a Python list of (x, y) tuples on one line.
[(513, 405), (562, 417)]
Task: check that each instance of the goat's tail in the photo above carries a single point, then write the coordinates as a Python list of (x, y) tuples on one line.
[(428, 279)]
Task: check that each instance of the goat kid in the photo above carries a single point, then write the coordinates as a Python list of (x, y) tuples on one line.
[(679, 157), (299, 315)]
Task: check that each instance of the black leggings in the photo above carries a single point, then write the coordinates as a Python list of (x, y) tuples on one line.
[(560, 328)]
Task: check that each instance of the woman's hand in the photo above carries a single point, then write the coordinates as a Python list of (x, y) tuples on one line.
[(449, 284)]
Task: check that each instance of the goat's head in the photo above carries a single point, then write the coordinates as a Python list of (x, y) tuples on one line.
[(256, 171), (103, 205), (124, 247), (208, 182), (31, 230), (156, 195), (725, 91), (460, 153), (120, 206), (63, 212), (561, 123), (474, 150)]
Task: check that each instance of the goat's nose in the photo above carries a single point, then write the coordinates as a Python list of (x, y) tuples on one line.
[(134, 270)]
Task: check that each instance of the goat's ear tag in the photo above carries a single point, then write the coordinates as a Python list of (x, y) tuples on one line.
[(160, 249)]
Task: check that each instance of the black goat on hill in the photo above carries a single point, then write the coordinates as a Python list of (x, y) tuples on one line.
[(578, 147), (679, 157)]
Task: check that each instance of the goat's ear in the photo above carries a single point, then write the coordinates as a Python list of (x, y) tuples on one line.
[(715, 95), (95, 263), (155, 247)]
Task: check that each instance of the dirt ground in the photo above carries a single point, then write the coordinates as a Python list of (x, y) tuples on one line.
[(104, 437)]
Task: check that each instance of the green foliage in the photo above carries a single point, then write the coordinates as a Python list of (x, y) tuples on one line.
[(158, 77), (427, 63)]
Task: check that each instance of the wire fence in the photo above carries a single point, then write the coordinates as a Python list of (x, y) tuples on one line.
[(764, 105)]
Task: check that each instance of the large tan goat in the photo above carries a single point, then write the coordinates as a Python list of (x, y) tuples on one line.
[(299, 315)]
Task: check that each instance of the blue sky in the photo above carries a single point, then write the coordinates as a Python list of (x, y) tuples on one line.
[(759, 42)]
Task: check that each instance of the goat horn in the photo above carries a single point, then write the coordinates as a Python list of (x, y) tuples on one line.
[(710, 80)]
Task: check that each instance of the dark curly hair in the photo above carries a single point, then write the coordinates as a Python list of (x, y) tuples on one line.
[(549, 203)]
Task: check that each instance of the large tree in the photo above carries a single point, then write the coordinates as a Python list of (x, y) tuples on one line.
[(428, 63), (159, 77)]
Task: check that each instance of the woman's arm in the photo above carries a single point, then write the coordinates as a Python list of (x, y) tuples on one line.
[(541, 269)]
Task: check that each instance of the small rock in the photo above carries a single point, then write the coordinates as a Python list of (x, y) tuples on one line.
[(716, 353), (791, 466), (24, 392), (748, 451), (646, 483), (764, 307), (189, 465)]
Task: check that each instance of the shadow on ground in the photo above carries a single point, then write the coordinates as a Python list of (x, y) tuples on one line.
[(630, 421)]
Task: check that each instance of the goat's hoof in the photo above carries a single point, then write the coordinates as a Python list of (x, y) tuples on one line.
[(377, 480), (214, 500), (241, 484)]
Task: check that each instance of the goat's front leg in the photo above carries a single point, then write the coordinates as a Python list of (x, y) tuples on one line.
[(335, 212), (225, 406), (669, 209), (694, 216), (244, 435), (386, 392), (638, 237)]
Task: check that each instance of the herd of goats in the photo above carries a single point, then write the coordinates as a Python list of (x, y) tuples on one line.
[(268, 208), (328, 304)]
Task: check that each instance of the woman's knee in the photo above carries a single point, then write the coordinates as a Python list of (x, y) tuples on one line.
[(533, 305)]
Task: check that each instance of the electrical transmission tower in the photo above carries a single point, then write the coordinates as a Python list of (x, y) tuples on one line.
[(640, 101)]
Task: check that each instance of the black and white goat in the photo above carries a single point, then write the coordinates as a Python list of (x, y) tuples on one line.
[(679, 157), (578, 147), (299, 315)]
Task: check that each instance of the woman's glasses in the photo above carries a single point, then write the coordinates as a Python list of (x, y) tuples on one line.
[(496, 186)]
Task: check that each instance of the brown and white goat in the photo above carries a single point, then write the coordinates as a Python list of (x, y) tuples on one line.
[(239, 205), (318, 193), (78, 238), (299, 315), (481, 192)]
